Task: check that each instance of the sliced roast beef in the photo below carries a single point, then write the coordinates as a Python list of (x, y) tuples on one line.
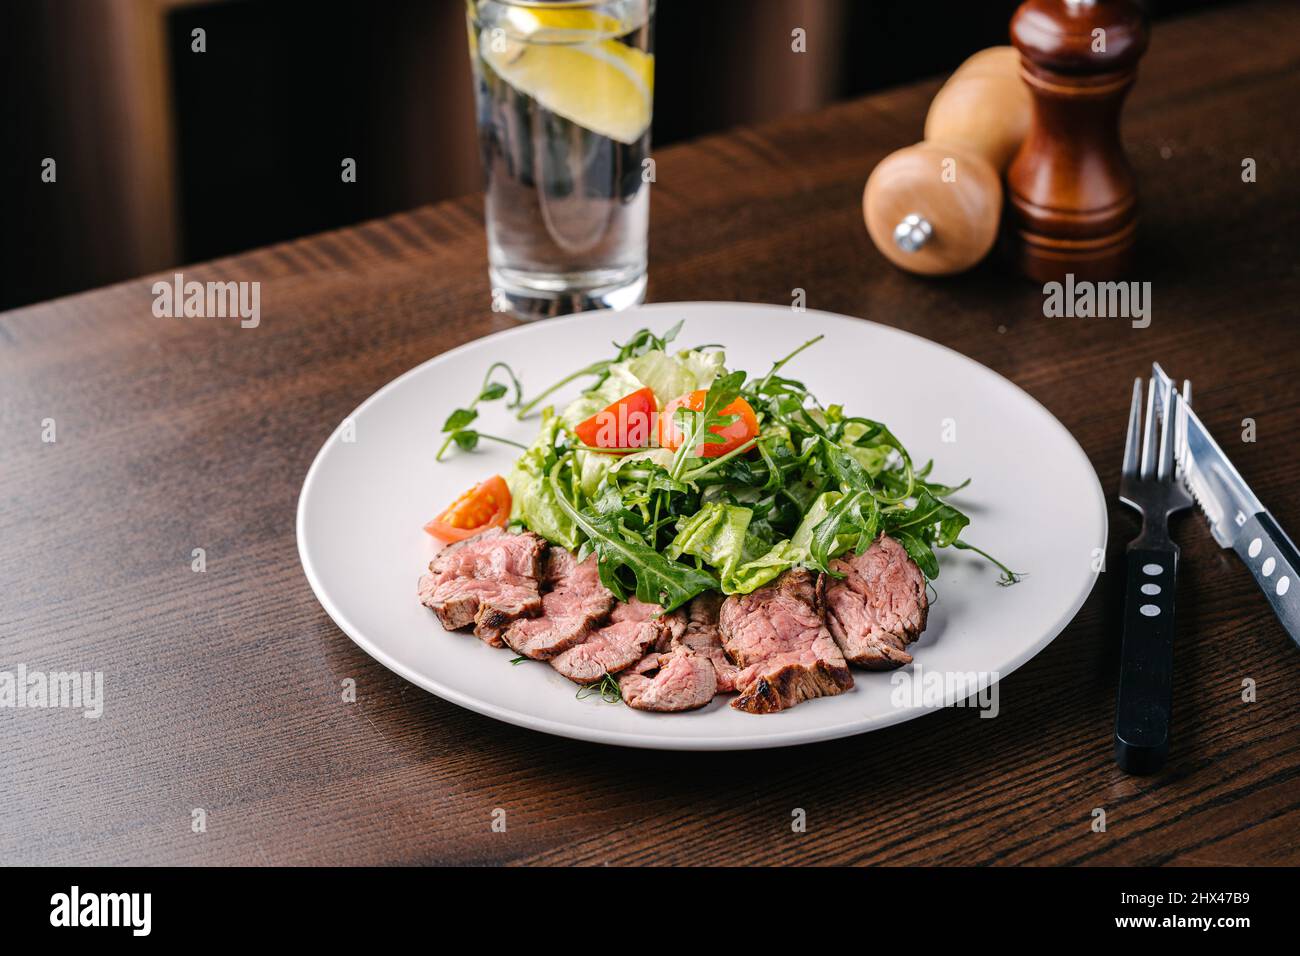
[(784, 650), (488, 581), (634, 629), (613, 648), (701, 635), (878, 607), (678, 680), (576, 603), (671, 625)]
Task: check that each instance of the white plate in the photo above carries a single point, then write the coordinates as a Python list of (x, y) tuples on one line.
[(1034, 502)]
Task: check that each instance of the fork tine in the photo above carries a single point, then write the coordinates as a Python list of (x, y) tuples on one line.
[(1170, 401), (1149, 435), (1130, 466)]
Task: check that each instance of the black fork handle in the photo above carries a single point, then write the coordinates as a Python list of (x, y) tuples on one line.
[(1147, 660)]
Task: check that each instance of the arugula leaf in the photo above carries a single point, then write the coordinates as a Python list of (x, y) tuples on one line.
[(781, 363), (919, 551), (931, 519), (658, 580), (696, 426), (929, 524), (851, 524), (842, 467)]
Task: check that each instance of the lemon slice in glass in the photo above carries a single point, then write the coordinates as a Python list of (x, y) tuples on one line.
[(525, 22), (601, 84)]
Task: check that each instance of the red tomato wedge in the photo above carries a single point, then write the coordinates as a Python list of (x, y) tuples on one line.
[(627, 423), (734, 435), (484, 506)]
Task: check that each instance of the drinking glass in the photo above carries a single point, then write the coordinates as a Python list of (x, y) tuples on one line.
[(564, 93)]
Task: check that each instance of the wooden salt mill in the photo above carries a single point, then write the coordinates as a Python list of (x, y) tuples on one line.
[(1072, 201), (933, 208)]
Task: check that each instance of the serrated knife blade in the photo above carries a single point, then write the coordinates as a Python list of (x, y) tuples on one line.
[(1223, 495), (1237, 518)]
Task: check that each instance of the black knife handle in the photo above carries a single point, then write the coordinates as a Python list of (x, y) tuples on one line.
[(1147, 661), (1274, 561)]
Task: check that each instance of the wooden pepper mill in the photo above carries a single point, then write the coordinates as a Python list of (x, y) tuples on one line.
[(933, 208), (1071, 194)]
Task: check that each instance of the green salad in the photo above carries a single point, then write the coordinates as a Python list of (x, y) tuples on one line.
[(736, 478)]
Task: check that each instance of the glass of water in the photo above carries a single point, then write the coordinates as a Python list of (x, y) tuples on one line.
[(564, 92)]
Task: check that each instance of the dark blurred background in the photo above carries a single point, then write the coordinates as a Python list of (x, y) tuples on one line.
[(167, 156)]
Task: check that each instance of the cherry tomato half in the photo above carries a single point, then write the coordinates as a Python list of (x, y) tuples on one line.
[(734, 435), (627, 423), (484, 506)]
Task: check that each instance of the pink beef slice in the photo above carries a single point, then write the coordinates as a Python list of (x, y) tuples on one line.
[(635, 628), (678, 680), (576, 604), (671, 625), (488, 581), (610, 649), (702, 636), (784, 650), (878, 607)]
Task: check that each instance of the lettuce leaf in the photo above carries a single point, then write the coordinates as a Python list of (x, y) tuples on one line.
[(715, 534), (672, 375), (621, 381), (533, 500), (838, 523), (667, 374), (592, 467), (754, 574), (719, 536), (872, 458)]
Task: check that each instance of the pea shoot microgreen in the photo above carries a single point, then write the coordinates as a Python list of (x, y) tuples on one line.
[(457, 426)]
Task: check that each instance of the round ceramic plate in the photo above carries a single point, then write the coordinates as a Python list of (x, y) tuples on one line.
[(1034, 502)]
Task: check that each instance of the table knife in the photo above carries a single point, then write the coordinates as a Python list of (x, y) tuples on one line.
[(1237, 518)]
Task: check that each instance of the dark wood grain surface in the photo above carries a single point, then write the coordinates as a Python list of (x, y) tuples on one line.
[(223, 687)]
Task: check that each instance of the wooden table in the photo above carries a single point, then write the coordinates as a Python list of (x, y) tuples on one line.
[(223, 687)]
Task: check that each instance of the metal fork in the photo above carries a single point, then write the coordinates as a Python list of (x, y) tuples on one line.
[(1148, 485)]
